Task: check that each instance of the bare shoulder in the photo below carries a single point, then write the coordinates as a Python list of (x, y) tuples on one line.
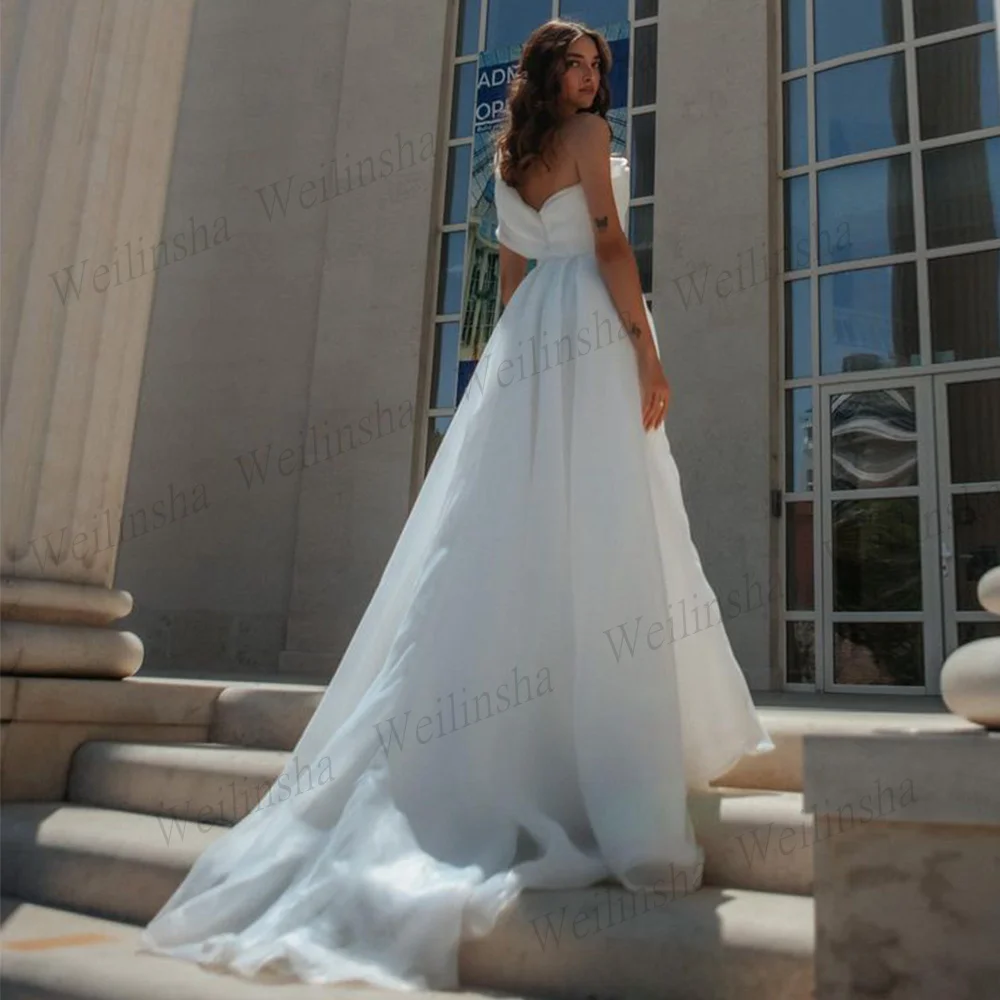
[(588, 138)]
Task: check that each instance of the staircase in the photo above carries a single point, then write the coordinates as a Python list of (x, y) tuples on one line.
[(81, 876)]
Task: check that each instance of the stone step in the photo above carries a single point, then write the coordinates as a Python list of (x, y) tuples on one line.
[(51, 954), (273, 717), (753, 840), (125, 865), (789, 726), (571, 945), (759, 840), (201, 782), (591, 944), (110, 863)]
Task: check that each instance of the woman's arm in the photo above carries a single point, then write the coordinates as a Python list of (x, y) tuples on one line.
[(513, 268), (590, 143)]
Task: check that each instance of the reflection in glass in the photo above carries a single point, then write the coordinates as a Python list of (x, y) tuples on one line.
[(965, 306), (931, 17), (868, 319), (861, 106), (640, 236), (844, 26), (644, 66), (974, 431), (509, 22), (962, 192), (450, 276), (873, 439), (445, 366), (468, 27), (869, 208), (957, 84), (435, 436), (595, 13), (796, 123), (798, 440), (798, 329), (799, 555), (643, 158), (800, 652), (463, 100), (876, 555), (793, 34), (457, 192), (976, 517), (878, 653), (797, 253)]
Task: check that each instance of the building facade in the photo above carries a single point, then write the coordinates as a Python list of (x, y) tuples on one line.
[(816, 215)]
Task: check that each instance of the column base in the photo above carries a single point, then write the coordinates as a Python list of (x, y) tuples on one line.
[(56, 629)]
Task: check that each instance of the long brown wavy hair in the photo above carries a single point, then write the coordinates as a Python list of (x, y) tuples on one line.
[(532, 116)]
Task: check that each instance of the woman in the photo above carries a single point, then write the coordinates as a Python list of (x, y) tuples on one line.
[(538, 679)]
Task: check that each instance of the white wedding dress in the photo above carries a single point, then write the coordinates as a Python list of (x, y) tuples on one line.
[(540, 676)]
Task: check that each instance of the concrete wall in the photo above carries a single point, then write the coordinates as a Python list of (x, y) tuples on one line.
[(308, 326), (278, 99), (714, 200)]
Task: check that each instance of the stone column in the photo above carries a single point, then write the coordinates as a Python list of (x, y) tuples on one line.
[(91, 92)]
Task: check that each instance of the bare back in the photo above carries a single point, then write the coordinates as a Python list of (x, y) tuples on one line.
[(539, 182)]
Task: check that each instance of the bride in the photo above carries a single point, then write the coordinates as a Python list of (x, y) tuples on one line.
[(539, 679)]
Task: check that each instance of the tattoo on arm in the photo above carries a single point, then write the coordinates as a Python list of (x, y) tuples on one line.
[(635, 331), (601, 223)]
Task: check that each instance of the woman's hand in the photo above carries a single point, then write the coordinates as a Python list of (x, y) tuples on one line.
[(654, 389)]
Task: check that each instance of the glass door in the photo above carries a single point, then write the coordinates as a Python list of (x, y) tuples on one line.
[(881, 593), (967, 411)]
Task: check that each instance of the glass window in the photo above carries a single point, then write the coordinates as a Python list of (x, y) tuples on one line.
[(799, 555), (958, 86), (798, 329), (934, 16), (977, 534), (878, 653), (643, 158), (796, 123), (798, 441), (845, 26), (644, 66), (594, 13), (970, 631), (974, 436), (435, 436), (868, 319), (861, 106), (468, 27), (867, 210), (646, 8), (965, 306), (797, 252), (463, 101), (800, 652), (962, 192), (445, 366), (793, 38), (450, 276), (457, 193), (873, 442), (876, 555), (509, 22), (641, 237)]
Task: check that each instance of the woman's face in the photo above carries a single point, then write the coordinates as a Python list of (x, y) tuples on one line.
[(582, 75)]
